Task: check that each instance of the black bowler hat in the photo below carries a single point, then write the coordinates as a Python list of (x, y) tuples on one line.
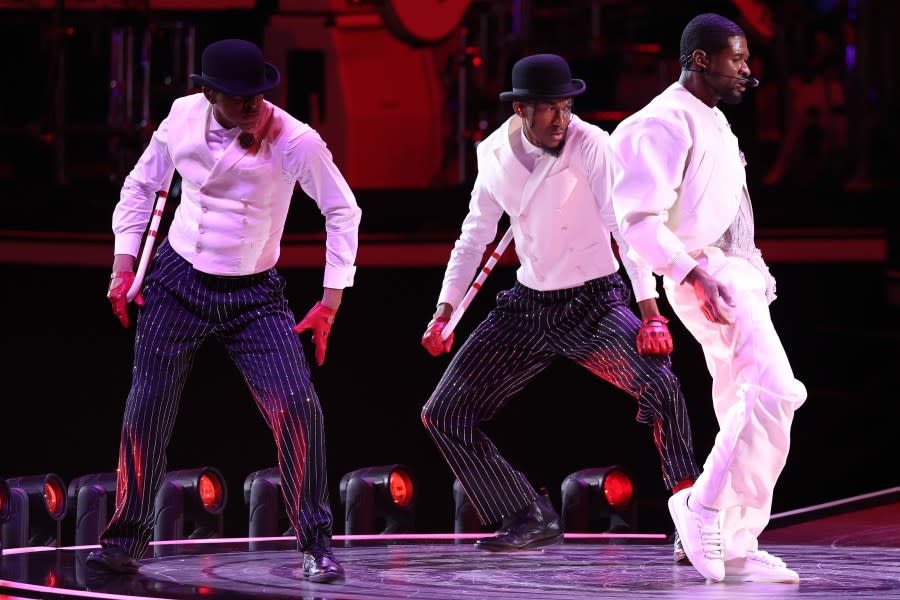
[(542, 77), (236, 67)]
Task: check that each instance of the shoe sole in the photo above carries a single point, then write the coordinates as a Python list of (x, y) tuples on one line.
[(530, 546), (99, 565), (326, 578), (752, 579)]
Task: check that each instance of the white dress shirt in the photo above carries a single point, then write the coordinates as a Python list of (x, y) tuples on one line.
[(559, 209), (234, 201)]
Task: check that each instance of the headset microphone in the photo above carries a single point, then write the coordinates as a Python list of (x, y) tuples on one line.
[(751, 82)]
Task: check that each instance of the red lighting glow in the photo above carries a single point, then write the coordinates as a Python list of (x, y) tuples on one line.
[(210, 489), (618, 489), (54, 498), (401, 486)]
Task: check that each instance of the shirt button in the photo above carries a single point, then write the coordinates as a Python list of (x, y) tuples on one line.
[(205, 209)]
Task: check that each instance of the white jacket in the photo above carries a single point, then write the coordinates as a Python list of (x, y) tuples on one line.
[(679, 179)]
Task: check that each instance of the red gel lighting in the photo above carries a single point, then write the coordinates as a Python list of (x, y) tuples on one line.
[(618, 489), (54, 498), (210, 489), (401, 486)]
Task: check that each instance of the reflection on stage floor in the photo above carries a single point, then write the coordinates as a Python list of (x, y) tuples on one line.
[(435, 567)]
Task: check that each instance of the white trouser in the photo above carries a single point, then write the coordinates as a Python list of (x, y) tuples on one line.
[(754, 396)]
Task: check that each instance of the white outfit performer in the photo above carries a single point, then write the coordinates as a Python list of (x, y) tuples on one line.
[(681, 201)]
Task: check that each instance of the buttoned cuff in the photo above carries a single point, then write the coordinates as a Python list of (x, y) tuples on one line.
[(128, 243), (645, 288), (338, 278), (452, 296)]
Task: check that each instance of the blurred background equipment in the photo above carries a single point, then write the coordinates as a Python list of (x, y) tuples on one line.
[(599, 500), (376, 497), (37, 505)]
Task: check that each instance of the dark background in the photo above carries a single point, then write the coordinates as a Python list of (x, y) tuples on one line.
[(66, 366)]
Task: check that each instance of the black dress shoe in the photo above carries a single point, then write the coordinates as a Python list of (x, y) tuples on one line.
[(534, 526), (320, 565), (112, 559)]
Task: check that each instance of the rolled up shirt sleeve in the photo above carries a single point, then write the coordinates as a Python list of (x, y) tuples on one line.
[(310, 163)]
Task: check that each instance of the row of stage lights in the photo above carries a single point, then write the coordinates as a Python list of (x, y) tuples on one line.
[(190, 503)]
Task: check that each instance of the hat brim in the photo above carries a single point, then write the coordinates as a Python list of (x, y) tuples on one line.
[(576, 87), (272, 79)]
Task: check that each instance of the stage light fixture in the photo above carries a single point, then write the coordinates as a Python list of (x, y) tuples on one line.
[(385, 494), (262, 493), (189, 505), (93, 497), (4, 501), (601, 496), (465, 518), (37, 504)]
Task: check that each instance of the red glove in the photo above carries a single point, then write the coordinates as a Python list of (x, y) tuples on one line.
[(432, 341), (654, 337), (319, 319), (119, 284)]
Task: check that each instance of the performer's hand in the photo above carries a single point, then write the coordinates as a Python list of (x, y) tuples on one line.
[(432, 341), (654, 338), (319, 320), (715, 301), (119, 284)]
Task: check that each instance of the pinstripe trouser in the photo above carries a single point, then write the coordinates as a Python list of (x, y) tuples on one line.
[(591, 324), (251, 317)]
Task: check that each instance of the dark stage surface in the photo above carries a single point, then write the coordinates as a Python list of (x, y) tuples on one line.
[(836, 556)]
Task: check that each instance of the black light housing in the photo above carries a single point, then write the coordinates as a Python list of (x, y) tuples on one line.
[(5, 501), (37, 504), (465, 517), (93, 498), (599, 498), (263, 496), (189, 505), (385, 494)]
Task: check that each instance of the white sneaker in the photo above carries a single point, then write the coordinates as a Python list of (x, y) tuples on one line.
[(700, 536), (761, 567)]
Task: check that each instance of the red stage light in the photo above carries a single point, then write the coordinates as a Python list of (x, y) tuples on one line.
[(401, 486), (54, 498), (210, 488), (618, 489)]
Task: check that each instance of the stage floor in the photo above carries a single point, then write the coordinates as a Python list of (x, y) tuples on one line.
[(430, 568)]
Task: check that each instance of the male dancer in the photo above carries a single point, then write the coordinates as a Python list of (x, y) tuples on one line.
[(239, 157), (552, 174), (682, 204)]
